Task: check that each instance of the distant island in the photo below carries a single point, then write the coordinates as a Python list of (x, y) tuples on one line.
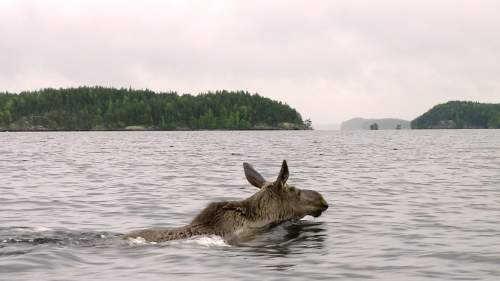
[(100, 108), (460, 115), (450, 115), (375, 124)]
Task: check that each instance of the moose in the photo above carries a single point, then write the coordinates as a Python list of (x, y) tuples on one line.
[(234, 221)]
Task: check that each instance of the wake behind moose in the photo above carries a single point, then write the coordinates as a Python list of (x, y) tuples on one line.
[(274, 203)]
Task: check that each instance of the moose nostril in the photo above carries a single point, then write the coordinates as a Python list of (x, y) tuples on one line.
[(324, 205)]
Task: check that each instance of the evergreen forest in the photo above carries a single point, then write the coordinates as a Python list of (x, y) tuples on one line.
[(460, 115), (101, 108)]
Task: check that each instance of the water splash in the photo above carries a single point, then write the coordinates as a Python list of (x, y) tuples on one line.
[(208, 241), (139, 241), (44, 235)]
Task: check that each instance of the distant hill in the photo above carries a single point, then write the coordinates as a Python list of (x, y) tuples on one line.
[(383, 124), (327, 127), (99, 108), (460, 115)]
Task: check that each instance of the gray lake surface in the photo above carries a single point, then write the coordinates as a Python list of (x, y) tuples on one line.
[(404, 205)]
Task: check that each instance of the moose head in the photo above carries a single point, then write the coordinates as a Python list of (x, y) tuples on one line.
[(278, 201)]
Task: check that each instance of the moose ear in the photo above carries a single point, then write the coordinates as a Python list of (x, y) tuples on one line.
[(283, 176), (253, 177)]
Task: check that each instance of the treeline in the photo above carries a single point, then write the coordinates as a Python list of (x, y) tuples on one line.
[(99, 108), (460, 115)]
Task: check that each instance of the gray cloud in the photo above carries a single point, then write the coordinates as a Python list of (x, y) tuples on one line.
[(332, 60)]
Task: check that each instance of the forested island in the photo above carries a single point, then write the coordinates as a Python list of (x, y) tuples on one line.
[(460, 115), (100, 108)]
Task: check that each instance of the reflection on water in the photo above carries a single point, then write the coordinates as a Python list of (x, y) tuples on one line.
[(412, 205), (287, 238)]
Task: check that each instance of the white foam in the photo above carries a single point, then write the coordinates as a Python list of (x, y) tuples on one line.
[(139, 241), (41, 228), (29, 229), (208, 241)]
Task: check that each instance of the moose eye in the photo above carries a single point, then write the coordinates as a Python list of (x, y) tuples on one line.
[(294, 190)]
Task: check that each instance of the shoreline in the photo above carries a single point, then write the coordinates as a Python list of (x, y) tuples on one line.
[(143, 130)]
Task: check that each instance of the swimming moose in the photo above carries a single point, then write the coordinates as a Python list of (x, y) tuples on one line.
[(274, 203)]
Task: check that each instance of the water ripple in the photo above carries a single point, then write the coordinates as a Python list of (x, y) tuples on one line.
[(412, 205)]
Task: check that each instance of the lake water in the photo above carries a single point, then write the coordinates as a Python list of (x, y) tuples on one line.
[(404, 205)]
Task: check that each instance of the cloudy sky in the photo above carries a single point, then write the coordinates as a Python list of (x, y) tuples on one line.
[(332, 60)]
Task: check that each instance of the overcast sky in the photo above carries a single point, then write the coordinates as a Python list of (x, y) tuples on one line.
[(331, 60)]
